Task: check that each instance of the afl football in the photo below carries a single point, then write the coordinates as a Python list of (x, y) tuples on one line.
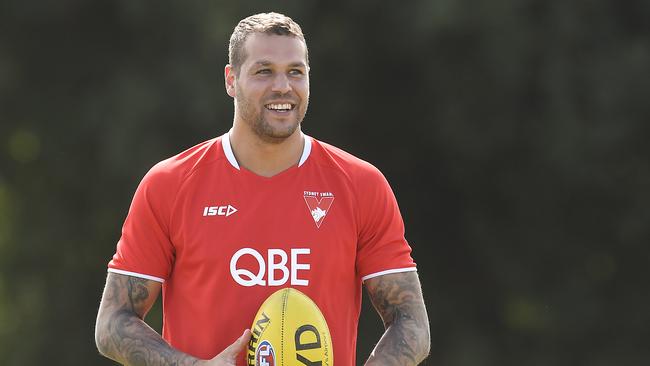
[(289, 330)]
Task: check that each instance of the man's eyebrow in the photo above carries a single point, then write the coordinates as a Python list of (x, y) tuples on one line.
[(268, 63)]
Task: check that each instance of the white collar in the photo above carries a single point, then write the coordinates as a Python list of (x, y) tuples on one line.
[(227, 149)]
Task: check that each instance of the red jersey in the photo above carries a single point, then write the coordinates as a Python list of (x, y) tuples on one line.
[(221, 239)]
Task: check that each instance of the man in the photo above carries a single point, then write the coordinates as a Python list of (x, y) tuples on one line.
[(226, 223)]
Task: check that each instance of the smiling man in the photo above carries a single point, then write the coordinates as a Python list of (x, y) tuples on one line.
[(221, 226)]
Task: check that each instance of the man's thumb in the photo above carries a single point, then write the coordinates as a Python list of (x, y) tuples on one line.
[(239, 345)]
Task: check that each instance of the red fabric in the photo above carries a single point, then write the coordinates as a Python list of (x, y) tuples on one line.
[(171, 234)]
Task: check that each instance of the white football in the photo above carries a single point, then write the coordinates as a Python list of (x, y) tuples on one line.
[(289, 330)]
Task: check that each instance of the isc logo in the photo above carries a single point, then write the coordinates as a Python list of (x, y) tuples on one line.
[(276, 260), (219, 210)]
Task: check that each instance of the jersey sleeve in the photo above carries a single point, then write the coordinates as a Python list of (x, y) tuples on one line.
[(145, 249), (382, 247)]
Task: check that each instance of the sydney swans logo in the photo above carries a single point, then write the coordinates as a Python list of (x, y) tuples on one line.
[(319, 204)]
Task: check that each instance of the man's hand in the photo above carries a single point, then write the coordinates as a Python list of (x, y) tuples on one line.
[(229, 356)]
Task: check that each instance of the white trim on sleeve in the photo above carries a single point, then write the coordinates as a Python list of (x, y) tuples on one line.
[(388, 271), (134, 274)]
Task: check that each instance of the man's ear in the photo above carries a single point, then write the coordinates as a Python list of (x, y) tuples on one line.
[(229, 76)]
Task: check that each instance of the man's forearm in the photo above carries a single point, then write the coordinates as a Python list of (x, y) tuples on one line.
[(130, 341), (121, 333), (398, 300), (402, 344)]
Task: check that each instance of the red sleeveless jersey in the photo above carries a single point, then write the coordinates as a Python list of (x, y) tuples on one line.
[(221, 239)]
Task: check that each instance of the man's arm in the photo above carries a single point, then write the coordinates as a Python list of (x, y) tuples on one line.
[(122, 335), (398, 299)]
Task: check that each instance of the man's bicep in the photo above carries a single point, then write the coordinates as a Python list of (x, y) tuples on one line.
[(397, 297), (129, 293)]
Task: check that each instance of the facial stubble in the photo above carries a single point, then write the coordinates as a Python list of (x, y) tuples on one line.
[(252, 115)]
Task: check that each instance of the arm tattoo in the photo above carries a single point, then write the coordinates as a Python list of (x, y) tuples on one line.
[(121, 333), (398, 300), (138, 293)]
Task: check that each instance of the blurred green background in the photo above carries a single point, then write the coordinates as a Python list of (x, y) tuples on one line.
[(514, 133)]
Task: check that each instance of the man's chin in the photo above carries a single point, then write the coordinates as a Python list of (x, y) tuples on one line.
[(276, 134)]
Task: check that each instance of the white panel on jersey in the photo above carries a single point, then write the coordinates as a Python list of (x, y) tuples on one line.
[(134, 274), (306, 150), (227, 149)]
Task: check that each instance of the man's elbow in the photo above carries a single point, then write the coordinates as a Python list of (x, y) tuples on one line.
[(424, 336), (104, 328), (101, 336)]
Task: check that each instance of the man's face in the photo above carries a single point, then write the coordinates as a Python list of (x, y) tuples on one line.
[(272, 89)]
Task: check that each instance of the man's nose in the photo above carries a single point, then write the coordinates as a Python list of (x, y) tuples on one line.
[(281, 84)]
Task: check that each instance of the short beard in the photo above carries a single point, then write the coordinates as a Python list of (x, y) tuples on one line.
[(247, 112)]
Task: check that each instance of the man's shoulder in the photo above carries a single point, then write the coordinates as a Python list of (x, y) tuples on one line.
[(348, 163), (178, 167)]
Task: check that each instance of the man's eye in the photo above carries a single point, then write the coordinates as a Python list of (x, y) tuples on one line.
[(263, 71), (296, 72)]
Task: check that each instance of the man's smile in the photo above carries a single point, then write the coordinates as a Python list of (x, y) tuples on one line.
[(280, 107)]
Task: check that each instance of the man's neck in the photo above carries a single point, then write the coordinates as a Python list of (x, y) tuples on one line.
[(265, 158)]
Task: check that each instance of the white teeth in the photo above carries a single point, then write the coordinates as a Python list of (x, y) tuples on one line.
[(279, 106)]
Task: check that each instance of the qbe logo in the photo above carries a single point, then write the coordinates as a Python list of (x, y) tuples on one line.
[(265, 355), (277, 260)]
